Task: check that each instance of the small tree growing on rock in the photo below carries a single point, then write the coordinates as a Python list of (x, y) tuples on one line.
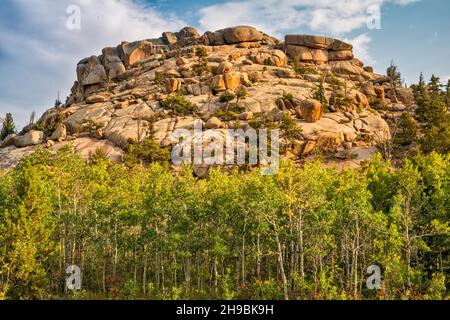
[(395, 77), (319, 95), (241, 93), (227, 97), (8, 126)]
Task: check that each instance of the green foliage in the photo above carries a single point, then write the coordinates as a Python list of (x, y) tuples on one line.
[(8, 126), (201, 52), (290, 128), (289, 97), (434, 114), (141, 232), (179, 105), (146, 152), (241, 93), (319, 95), (227, 97), (266, 123), (230, 114), (302, 70), (201, 68), (394, 75), (407, 130)]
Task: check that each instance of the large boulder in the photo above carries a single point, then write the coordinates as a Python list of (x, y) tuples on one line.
[(91, 71), (60, 133), (311, 110), (170, 38), (112, 62), (405, 95), (272, 57), (340, 55), (242, 34), (307, 54), (310, 41), (30, 138), (8, 141), (188, 33), (218, 83), (232, 80), (213, 38), (135, 52), (339, 45)]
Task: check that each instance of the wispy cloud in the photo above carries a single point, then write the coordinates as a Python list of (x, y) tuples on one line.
[(39, 54), (278, 17)]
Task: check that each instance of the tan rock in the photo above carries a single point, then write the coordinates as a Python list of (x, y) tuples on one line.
[(60, 133), (339, 45), (246, 116), (307, 54), (213, 123), (181, 61), (218, 83), (90, 71), (310, 41), (369, 89), (379, 90), (95, 99), (173, 85), (329, 140), (224, 67), (309, 147), (273, 57), (170, 38), (232, 80), (311, 110), (8, 141), (138, 51), (242, 34), (362, 100), (340, 55), (31, 138), (112, 62)]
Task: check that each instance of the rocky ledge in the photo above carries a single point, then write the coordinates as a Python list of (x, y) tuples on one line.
[(122, 95)]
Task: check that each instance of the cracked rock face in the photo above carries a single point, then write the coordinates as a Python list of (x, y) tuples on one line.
[(122, 94)]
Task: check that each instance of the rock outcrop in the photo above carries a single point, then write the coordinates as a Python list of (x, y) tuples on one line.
[(121, 95)]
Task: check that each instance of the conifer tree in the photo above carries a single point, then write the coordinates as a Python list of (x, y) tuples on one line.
[(8, 126)]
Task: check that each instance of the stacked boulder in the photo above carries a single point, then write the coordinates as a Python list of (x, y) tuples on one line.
[(317, 49)]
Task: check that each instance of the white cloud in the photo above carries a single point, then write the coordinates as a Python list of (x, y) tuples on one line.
[(38, 53), (361, 48), (39, 56), (279, 17)]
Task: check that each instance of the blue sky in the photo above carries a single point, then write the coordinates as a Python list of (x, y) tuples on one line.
[(38, 54)]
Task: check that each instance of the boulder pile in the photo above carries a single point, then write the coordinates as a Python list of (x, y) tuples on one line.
[(237, 77)]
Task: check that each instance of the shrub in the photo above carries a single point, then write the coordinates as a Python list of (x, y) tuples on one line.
[(289, 97), (227, 97), (201, 52), (201, 67), (179, 105), (146, 152), (241, 93), (298, 68), (407, 130)]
